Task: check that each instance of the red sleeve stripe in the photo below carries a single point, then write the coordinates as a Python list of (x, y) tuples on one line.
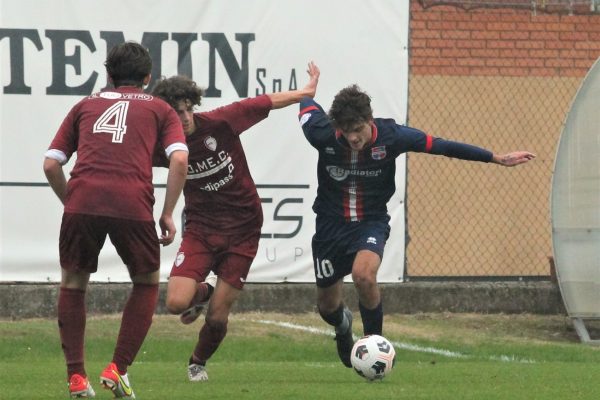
[(429, 143), (307, 109)]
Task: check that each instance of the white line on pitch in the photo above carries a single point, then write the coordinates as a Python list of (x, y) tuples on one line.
[(401, 345)]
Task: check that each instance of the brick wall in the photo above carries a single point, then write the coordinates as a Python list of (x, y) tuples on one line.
[(446, 40)]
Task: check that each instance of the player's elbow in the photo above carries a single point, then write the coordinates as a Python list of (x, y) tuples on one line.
[(178, 161), (51, 167)]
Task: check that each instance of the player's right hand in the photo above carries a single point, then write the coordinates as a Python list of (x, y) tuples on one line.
[(167, 229)]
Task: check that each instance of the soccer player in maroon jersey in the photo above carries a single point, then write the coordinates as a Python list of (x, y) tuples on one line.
[(356, 171), (222, 208), (110, 192)]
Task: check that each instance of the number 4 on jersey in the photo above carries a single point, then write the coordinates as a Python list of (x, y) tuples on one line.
[(113, 121)]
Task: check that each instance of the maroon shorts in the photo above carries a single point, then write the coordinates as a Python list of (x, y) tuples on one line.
[(82, 237), (228, 256)]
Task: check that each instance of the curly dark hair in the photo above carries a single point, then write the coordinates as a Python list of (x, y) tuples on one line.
[(350, 108), (128, 63), (178, 88)]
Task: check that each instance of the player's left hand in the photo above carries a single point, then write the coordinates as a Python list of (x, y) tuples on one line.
[(514, 158), (167, 229), (313, 73)]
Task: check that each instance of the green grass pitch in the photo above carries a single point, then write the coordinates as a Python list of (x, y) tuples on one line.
[(276, 356)]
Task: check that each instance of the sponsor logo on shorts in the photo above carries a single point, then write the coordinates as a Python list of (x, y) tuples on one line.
[(179, 259), (372, 240)]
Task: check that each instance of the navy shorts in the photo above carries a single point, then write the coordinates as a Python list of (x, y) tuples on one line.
[(335, 244)]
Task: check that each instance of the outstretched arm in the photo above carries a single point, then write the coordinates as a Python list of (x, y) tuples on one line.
[(284, 99), (512, 159), (465, 151)]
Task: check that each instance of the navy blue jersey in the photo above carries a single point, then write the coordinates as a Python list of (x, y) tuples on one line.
[(356, 185)]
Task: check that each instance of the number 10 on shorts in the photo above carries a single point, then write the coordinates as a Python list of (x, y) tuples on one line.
[(324, 268)]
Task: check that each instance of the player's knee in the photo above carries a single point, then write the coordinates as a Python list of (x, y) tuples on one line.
[(363, 278), (177, 305)]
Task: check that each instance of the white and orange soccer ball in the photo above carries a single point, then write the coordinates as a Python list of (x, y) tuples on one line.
[(373, 357)]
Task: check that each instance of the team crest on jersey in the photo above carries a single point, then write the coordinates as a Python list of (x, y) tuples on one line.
[(179, 259), (210, 143), (378, 153)]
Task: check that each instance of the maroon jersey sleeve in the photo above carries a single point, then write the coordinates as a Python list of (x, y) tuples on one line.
[(159, 158), (66, 139), (242, 115), (171, 133), (171, 130)]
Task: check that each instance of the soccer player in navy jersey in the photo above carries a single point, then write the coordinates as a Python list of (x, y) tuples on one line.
[(222, 208), (115, 133), (356, 171)]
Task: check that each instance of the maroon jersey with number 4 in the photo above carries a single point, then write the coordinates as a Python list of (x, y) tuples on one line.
[(220, 194), (115, 134)]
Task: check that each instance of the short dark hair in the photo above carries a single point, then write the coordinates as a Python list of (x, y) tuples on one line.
[(178, 88), (350, 108), (128, 63)]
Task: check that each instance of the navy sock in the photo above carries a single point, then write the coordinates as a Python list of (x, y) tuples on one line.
[(335, 318), (372, 319)]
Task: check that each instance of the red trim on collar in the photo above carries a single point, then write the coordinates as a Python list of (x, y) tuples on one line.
[(374, 132)]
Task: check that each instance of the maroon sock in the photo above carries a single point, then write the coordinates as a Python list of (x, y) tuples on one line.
[(203, 291), (135, 323), (71, 326), (210, 337)]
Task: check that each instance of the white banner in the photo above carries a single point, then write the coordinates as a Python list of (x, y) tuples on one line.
[(52, 54)]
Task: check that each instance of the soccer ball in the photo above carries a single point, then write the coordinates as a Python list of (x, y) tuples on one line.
[(373, 357)]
